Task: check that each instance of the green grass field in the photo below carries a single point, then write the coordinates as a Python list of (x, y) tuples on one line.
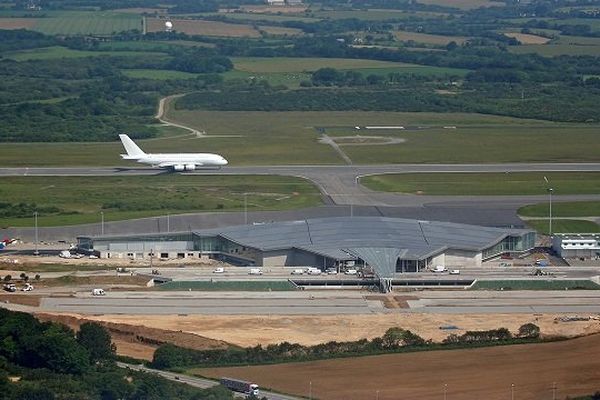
[(63, 52), (486, 183), (81, 199), (553, 50), (246, 286), (291, 64), (289, 79), (544, 284), (159, 74), (267, 138), (563, 209), (88, 22), (55, 267), (563, 226)]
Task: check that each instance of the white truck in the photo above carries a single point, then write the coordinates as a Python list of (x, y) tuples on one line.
[(255, 271), (98, 292), (237, 385)]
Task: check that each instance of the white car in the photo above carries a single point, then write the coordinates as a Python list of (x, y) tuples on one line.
[(298, 272), (314, 271), (351, 272), (255, 271), (454, 272), (27, 288), (219, 270)]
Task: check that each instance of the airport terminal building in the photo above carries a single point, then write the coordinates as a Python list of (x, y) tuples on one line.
[(390, 245)]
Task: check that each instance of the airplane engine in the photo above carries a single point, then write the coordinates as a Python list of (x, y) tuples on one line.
[(190, 167), (179, 167)]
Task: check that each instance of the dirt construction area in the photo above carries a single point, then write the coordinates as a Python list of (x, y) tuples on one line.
[(310, 330), (486, 373)]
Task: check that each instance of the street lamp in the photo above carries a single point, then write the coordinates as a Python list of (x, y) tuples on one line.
[(102, 222), (550, 190), (377, 395), (512, 391), (445, 391), (35, 219), (245, 208), (168, 223), (310, 390)]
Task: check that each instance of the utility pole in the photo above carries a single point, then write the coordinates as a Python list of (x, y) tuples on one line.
[(245, 208), (35, 219), (512, 391), (554, 391), (310, 390), (102, 222), (168, 223), (550, 190)]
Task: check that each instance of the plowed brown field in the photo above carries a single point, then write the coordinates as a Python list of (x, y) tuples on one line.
[(201, 27), (485, 373), (17, 23)]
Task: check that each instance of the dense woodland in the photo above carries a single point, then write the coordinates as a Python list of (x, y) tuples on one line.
[(47, 361), (93, 99)]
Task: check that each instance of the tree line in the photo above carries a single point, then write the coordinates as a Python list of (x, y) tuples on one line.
[(394, 340)]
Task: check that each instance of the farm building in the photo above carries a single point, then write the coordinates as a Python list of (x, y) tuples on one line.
[(390, 245), (583, 245)]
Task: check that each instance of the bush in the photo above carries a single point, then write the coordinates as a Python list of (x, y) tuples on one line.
[(529, 331)]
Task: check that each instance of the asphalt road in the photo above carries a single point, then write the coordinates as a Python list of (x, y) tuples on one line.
[(197, 382), (342, 194), (325, 303)]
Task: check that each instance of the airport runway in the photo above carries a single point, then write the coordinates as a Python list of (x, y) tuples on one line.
[(343, 197)]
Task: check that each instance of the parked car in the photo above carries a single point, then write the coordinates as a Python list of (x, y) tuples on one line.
[(27, 288), (331, 271), (298, 272), (10, 287), (350, 272), (314, 271), (454, 272), (219, 270), (255, 271), (98, 292)]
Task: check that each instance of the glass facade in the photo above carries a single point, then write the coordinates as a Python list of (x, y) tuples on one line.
[(511, 244)]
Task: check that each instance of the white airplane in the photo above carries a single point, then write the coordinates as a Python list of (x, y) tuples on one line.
[(174, 161)]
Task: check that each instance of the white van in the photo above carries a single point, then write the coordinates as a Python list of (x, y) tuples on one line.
[(98, 292), (298, 272), (255, 271), (313, 271)]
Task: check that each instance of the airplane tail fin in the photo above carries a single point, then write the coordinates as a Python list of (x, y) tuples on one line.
[(133, 151)]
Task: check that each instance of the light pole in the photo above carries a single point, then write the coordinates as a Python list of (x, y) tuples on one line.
[(245, 208), (512, 391), (377, 395), (310, 390), (445, 391), (550, 190), (168, 223), (102, 222), (554, 391), (35, 219)]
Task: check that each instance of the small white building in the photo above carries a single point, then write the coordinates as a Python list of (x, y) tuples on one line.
[(577, 245)]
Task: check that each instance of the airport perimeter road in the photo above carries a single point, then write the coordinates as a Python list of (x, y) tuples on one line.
[(332, 302), (197, 382), (239, 305)]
